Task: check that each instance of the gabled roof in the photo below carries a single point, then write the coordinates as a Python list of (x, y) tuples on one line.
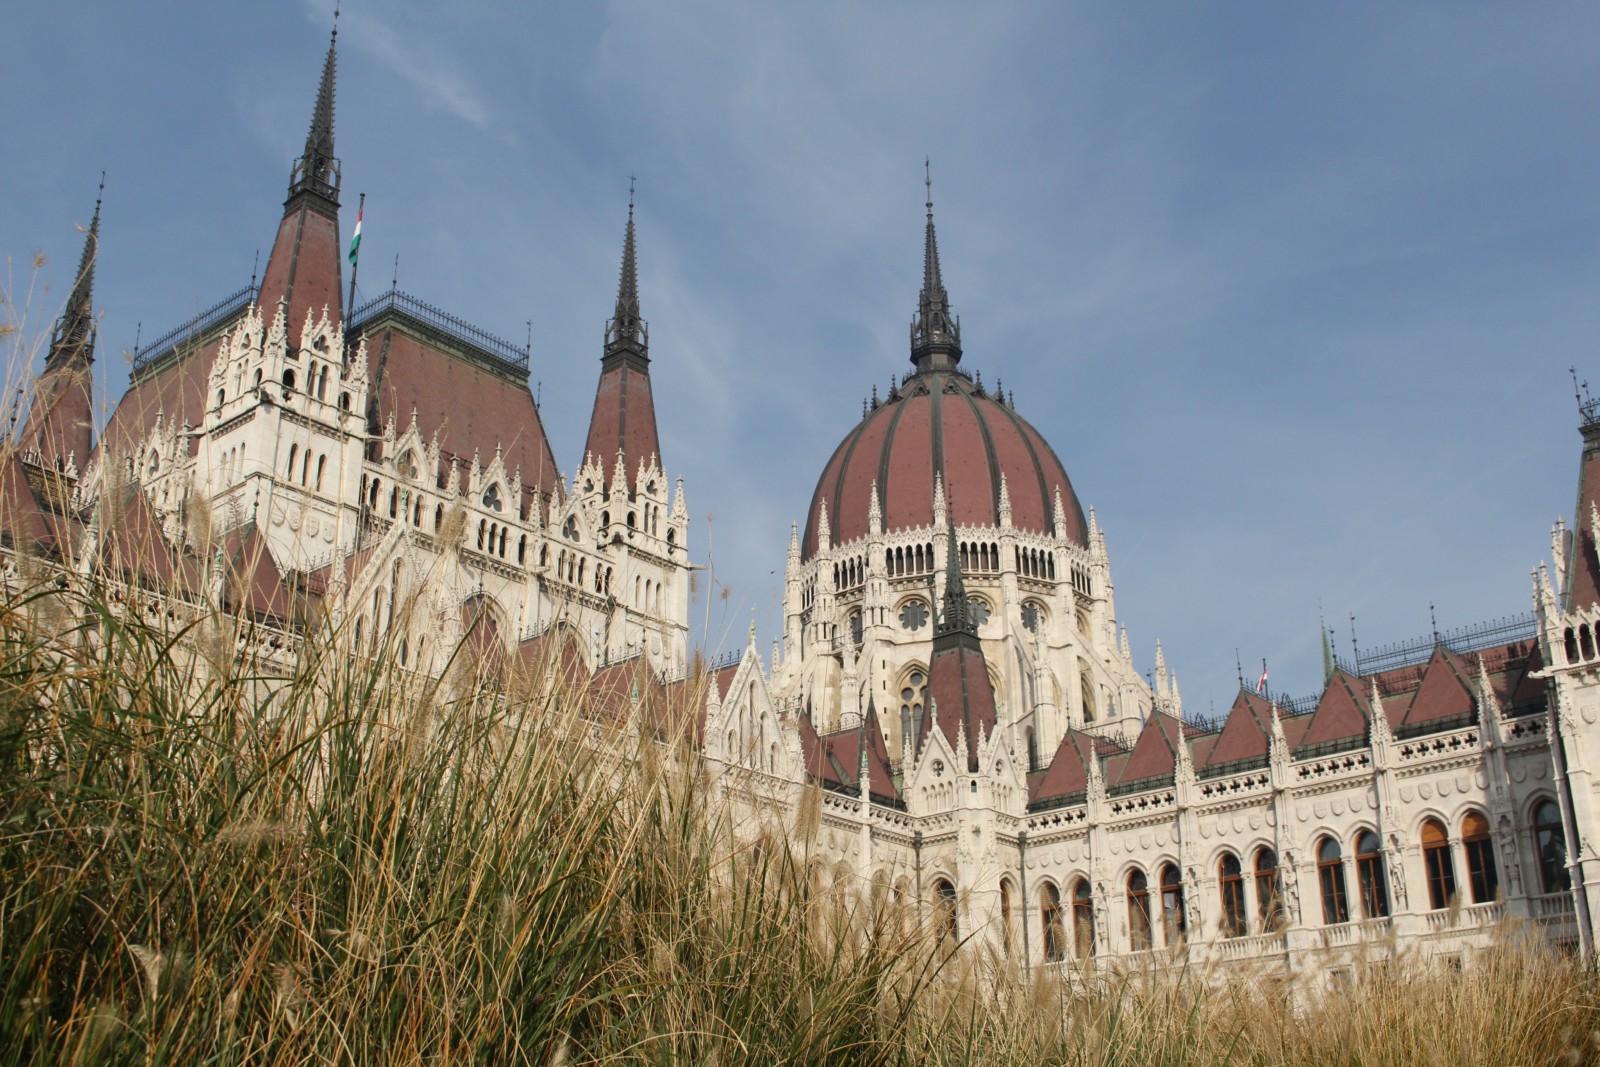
[(254, 583), (1156, 751), (1068, 772), (1446, 689), (1246, 734), (1343, 712), (133, 546), (962, 695), (22, 520)]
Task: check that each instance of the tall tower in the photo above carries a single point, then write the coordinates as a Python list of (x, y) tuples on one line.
[(303, 269), (622, 430), (57, 433)]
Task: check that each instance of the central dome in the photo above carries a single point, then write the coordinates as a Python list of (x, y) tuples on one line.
[(940, 421)]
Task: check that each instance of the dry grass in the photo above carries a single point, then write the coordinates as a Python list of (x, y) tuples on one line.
[(206, 861)]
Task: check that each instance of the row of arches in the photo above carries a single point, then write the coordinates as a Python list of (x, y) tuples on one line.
[(1036, 563), (847, 574), (232, 464), (979, 556), (304, 459), (917, 559), (1579, 643)]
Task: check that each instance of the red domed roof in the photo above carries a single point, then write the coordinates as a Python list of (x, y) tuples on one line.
[(939, 420)]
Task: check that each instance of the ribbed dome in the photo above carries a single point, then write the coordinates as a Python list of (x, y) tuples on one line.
[(939, 420)]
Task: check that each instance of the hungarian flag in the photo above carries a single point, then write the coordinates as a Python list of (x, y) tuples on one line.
[(355, 238), (1261, 686)]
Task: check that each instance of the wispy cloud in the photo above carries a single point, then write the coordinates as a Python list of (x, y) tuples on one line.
[(422, 63)]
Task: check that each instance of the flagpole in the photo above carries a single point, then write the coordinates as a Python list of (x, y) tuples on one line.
[(355, 263)]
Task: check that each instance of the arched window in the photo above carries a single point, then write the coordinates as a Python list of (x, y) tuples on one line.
[(945, 909), (1550, 839), (1330, 873), (1083, 918), (1479, 847), (305, 467), (438, 517), (913, 699), (1586, 641), (221, 396), (1055, 933), (1235, 920), (322, 464), (288, 379), (1370, 875), (1138, 911), (1437, 862), (1033, 750), (1173, 923), (294, 451), (522, 550), (1269, 891), (483, 528)]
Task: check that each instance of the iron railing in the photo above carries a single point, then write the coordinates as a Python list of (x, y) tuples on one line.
[(194, 329), (500, 353)]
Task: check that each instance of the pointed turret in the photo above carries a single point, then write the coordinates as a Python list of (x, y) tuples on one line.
[(935, 333), (960, 690), (624, 419), (59, 422), (304, 267)]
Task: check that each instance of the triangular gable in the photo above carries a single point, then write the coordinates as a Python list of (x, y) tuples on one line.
[(1446, 689), (22, 520), (961, 693), (1295, 728), (1343, 712), (879, 774), (132, 544), (1245, 733), (1156, 751), (1068, 771), (255, 585)]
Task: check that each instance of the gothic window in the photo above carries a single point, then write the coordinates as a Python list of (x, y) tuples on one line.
[(288, 380), (857, 633), (1173, 922), (344, 405), (1370, 875), (322, 384), (522, 550), (1138, 911), (294, 451), (1479, 847), (322, 463), (221, 396), (1551, 841), (483, 526), (1438, 863), (945, 909), (913, 698), (1235, 921), (394, 500), (1330, 873), (1086, 692), (1033, 750), (569, 529), (1269, 891), (408, 465), (438, 517), (1055, 934), (305, 467), (1083, 918), (491, 496), (1032, 616), (978, 610), (913, 615)]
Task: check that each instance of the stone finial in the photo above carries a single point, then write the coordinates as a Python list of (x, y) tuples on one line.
[(940, 507), (1005, 502), (824, 531), (1058, 516), (1558, 550), (679, 508), (875, 512)]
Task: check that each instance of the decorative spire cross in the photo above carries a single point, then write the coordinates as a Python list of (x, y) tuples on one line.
[(627, 331)]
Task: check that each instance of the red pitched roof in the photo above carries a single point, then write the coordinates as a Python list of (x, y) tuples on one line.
[(1068, 772), (962, 695), (254, 581), (1583, 559), (1156, 751), (1446, 689), (1342, 712), (473, 409), (1245, 735), (61, 418), (624, 420), (22, 520)]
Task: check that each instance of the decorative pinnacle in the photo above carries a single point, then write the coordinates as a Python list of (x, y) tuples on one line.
[(73, 339), (935, 335), (956, 617), (626, 328)]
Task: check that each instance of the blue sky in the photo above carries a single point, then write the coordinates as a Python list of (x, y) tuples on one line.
[(1292, 289)]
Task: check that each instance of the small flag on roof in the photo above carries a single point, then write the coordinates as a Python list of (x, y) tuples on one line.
[(1261, 686), (355, 238)]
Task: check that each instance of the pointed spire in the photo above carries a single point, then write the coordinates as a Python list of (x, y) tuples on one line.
[(1005, 501), (935, 334), (824, 531), (874, 511), (73, 340), (955, 618), (317, 170), (626, 328)]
